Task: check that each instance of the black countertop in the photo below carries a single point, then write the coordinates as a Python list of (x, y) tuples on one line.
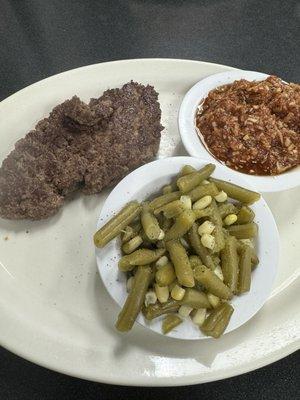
[(39, 38)]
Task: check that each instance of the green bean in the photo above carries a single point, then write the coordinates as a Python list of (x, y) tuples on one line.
[(218, 231), (135, 299), (198, 247), (165, 275), (116, 224), (171, 210), (205, 212), (156, 310), (181, 225), (188, 182), (230, 268), (186, 169), (244, 281), (161, 244), (132, 244), (211, 282), (195, 261), (170, 322), (226, 209), (217, 321), (164, 199), (254, 258), (181, 263), (166, 224), (215, 259), (167, 189), (195, 299), (246, 231), (147, 243), (131, 231), (128, 234), (245, 215), (150, 224), (236, 192), (203, 190), (139, 257)]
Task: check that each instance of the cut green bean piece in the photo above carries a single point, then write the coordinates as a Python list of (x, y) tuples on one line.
[(181, 263), (166, 224), (244, 281), (230, 267), (116, 224), (128, 234), (156, 310), (203, 190), (132, 244), (135, 299), (171, 210), (211, 282), (167, 189), (161, 244), (146, 241), (245, 215), (206, 212), (217, 321), (226, 209), (181, 225), (236, 192), (245, 231), (254, 258), (195, 299), (186, 169), (164, 199), (165, 275), (170, 322), (198, 247), (150, 224), (131, 231), (216, 219), (188, 182), (139, 257), (195, 261)]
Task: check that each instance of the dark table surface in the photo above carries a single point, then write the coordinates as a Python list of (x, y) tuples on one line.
[(39, 38)]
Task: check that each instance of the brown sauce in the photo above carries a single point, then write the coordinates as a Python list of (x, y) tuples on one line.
[(253, 127)]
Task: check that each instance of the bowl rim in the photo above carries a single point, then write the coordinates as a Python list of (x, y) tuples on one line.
[(196, 148), (122, 194)]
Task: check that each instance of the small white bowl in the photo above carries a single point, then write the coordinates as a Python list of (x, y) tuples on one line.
[(148, 180), (194, 145)]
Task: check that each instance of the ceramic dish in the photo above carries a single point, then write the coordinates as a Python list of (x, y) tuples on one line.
[(54, 309), (196, 147), (149, 179)]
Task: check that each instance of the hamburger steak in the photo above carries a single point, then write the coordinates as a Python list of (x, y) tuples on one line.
[(80, 146)]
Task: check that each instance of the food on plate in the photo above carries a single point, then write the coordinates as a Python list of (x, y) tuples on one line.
[(80, 147), (253, 127), (216, 323), (185, 256), (116, 225)]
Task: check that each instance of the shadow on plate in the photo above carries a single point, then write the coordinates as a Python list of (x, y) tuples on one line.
[(203, 351)]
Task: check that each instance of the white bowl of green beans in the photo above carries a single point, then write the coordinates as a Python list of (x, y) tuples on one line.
[(186, 249)]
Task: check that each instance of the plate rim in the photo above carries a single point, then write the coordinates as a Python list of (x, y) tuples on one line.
[(23, 351)]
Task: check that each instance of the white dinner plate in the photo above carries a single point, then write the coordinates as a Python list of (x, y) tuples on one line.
[(54, 309), (147, 181)]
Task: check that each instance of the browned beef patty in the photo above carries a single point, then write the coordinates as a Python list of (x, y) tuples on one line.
[(80, 146)]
